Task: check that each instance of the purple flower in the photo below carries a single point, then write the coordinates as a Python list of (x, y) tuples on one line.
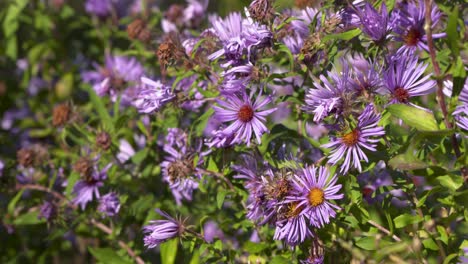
[(101, 8), (403, 79), (239, 37), (247, 116), (314, 260), (237, 78), (312, 192), (48, 211), (159, 231), (119, 76), (330, 96), (87, 188), (195, 12), (349, 145), (408, 24), (178, 168), (461, 113), (294, 229), (373, 24), (365, 78), (212, 231), (152, 97), (109, 204)]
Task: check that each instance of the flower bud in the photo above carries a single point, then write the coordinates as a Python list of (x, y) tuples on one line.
[(61, 114), (103, 140)]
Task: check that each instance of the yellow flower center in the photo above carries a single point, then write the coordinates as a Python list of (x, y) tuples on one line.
[(351, 138), (316, 197)]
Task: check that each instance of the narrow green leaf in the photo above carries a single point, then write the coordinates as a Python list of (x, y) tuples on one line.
[(414, 117), (72, 179), (220, 198), (14, 201), (29, 218), (406, 219), (169, 251), (453, 36), (343, 36), (100, 108)]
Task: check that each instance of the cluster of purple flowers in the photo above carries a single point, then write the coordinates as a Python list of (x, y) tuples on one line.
[(295, 200)]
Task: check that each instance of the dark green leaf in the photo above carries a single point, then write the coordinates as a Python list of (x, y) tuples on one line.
[(107, 255)]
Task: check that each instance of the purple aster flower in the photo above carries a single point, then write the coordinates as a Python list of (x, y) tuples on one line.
[(329, 97), (237, 78), (109, 204), (314, 260), (373, 24), (88, 187), (100, 8), (153, 96), (311, 193), (464, 257), (408, 24), (349, 145), (403, 79), (239, 37), (48, 211), (159, 231), (366, 77), (195, 12), (119, 74), (461, 113), (178, 168), (294, 229), (247, 116), (211, 231)]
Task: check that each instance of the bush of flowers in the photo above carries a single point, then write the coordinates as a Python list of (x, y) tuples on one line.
[(267, 131)]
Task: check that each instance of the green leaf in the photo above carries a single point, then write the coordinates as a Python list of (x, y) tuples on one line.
[(414, 117), (367, 243), (169, 251), (202, 121), (29, 218), (430, 244), (254, 248), (14, 201), (343, 36), (406, 219), (406, 161), (74, 177), (443, 234), (101, 109), (220, 198), (107, 255), (452, 182), (453, 36)]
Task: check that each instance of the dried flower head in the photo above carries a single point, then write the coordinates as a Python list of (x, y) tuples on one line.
[(138, 30), (261, 10), (103, 140), (61, 114), (26, 157), (84, 166)]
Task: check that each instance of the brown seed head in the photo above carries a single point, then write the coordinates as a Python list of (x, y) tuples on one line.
[(61, 114), (261, 10), (84, 166), (25, 157), (180, 169), (103, 140)]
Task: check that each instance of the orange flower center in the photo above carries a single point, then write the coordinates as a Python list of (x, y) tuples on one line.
[(401, 94), (293, 210), (245, 113), (351, 138), (412, 37), (316, 197)]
